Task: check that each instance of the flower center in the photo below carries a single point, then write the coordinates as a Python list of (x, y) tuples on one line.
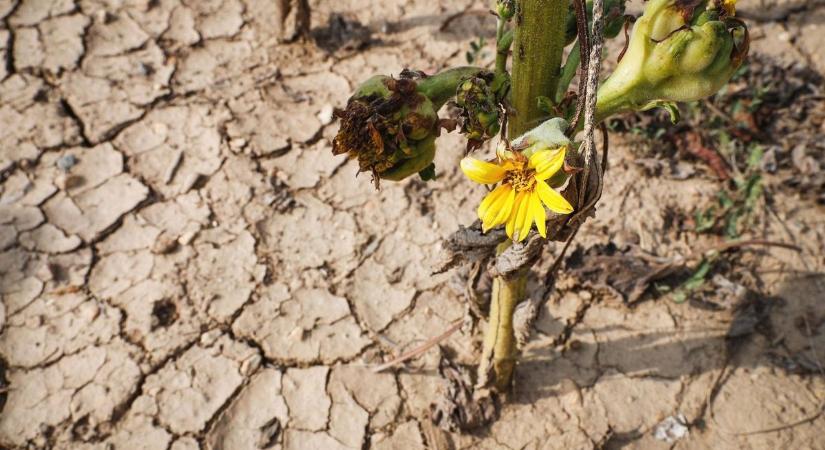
[(521, 180)]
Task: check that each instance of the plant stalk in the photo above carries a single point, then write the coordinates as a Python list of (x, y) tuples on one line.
[(499, 352), (442, 86), (537, 55)]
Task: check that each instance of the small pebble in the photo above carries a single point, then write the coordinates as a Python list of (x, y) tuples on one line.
[(66, 162), (325, 116)]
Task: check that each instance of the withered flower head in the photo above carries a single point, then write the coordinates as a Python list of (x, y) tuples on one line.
[(389, 127)]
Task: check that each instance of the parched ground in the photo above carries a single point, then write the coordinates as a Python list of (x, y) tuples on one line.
[(184, 265)]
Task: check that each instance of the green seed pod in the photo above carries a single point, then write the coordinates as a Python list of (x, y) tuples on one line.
[(680, 50)]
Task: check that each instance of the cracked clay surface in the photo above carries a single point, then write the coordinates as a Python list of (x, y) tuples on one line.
[(184, 265)]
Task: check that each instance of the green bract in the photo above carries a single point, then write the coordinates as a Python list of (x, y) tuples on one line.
[(680, 50), (550, 134)]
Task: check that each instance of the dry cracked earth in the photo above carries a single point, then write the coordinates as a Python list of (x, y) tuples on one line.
[(184, 265)]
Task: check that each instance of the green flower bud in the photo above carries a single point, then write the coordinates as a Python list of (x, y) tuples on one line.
[(479, 109), (680, 50), (505, 9)]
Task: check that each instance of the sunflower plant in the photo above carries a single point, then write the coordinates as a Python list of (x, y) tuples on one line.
[(540, 180)]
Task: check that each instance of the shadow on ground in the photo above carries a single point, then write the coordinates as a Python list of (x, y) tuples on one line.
[(787, 330)]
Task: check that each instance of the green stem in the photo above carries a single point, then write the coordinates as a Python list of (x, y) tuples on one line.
[(611, 100), (537, 55), (504, 40), (442, 86), (499, 351)]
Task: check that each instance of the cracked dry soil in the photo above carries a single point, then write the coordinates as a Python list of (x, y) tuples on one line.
[(184, 265)]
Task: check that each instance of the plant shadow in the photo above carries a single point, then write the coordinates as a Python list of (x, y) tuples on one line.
[(786, 331)]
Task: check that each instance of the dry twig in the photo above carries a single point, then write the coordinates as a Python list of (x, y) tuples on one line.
[(432, 342)]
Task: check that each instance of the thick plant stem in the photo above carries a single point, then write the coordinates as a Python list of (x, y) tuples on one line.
[(499, 351), (537, 55)]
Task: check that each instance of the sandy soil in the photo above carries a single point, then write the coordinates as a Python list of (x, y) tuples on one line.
[(184, 265)]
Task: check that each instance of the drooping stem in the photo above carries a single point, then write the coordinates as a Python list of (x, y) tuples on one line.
[(537, 55)]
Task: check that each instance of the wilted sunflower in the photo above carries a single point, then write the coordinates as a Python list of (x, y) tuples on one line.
[(517, 202)]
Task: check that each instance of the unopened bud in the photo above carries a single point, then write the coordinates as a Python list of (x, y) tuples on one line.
[(506, 9)]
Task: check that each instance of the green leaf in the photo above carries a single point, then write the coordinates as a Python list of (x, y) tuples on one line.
[(696, 280), (568, 71), (671, 108), (755, 157), (705, 219)]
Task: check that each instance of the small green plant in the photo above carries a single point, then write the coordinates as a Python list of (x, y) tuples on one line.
[(697, 279), (732, 214)]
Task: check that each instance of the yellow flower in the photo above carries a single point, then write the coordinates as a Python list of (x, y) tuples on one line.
[(517, 202)]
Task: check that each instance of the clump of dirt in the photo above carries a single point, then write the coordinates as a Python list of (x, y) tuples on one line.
[(342, 34)]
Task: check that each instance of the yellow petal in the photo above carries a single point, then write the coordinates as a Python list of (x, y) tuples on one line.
[(501, 206), (552, 199), (538, 214), (482, 171), (505, 208), (525, 217), (489, 200), (547, 162), (542, 157), (511, 219)]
